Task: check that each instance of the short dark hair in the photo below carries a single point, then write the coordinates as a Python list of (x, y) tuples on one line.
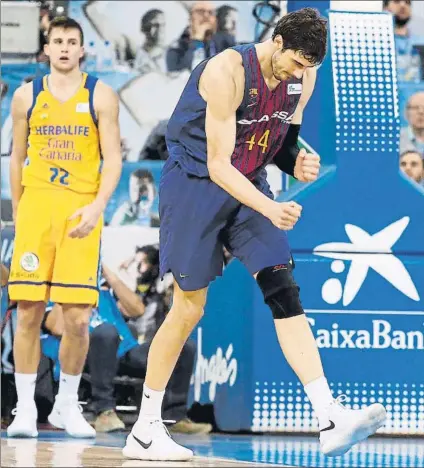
[(147, 17), (143, 174), (386, 3), (151, 252), (221, 14), (304, 31), (66, 23)]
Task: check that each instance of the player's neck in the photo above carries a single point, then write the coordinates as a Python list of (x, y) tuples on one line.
[(264, 51), (59, 79)]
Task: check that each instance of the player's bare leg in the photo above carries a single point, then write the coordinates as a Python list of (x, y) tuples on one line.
[(66, 413), (186, 311), (149, 439), (75, 340), (299, 347), (340, 428), (26, 352), (26, 346)]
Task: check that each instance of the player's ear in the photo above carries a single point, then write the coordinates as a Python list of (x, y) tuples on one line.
[(278, 41), (47, 49), (82, 52)]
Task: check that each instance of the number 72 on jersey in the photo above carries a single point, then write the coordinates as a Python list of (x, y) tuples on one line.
[(59, 175)]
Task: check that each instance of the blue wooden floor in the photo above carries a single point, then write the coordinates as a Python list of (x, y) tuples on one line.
[(293, 451)]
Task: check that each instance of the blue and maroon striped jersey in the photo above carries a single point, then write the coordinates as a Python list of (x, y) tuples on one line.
[(263, 119)]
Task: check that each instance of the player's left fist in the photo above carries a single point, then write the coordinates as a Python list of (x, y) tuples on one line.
[(307, 166)]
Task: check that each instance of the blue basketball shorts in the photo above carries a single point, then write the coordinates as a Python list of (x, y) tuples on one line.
[(198, 218)]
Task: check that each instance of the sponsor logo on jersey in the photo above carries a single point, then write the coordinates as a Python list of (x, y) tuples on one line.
[(281, 115), (29, 262), (82, 107), (72, 130), (294, 88)]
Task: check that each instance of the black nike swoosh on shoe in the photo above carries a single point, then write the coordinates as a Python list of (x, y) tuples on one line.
[(331, 426), (144, 445)]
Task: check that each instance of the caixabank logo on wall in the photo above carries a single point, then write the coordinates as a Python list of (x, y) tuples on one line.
[(366, 252)]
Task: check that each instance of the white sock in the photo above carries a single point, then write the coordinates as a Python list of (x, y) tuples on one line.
[(25, 388), (68, 385), (319, 394), (151, 404)]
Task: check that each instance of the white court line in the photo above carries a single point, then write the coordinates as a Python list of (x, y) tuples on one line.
[(366, 312)]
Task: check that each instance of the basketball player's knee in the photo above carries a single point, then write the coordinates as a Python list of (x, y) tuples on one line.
[(76, 320), (190, 312), (280, 291), (30, 316), (189, 305)]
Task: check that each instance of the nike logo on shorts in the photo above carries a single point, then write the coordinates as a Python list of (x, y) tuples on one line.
[(331, 426), (144, 445), (183, 276)]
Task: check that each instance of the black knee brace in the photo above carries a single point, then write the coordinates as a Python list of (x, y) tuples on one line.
[(280, 291)]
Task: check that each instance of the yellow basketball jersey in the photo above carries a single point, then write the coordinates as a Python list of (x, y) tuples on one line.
[(63, 141)]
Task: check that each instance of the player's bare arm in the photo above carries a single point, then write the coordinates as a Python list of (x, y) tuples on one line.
[(106, 105), (21, 102), (308, 85), (290, 159), (222, 87)]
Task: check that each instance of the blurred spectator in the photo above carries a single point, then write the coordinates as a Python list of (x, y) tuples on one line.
[(151, 56), (45, 18), (196, 42), (147, 258), (226, 27), (407, 56), (412, 165), (142, 193), (4, 88), (412, 137), (155, 147), (7, 128)]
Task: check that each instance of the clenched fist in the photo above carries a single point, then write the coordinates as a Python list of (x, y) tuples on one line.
[(307, 166), (284, 215)]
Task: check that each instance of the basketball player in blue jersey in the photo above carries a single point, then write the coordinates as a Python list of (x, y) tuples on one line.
[(239, 111)]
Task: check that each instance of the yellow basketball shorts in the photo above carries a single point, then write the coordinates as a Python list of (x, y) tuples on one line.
[(47, 263)]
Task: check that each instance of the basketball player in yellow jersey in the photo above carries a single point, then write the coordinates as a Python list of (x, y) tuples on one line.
[(63, 125)]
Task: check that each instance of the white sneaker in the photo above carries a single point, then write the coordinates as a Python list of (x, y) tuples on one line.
[(150, 440), (67, 414), (25, 422), (348, 427)]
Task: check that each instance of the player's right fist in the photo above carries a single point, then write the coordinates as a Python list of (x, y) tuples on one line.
[(285, 215)]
